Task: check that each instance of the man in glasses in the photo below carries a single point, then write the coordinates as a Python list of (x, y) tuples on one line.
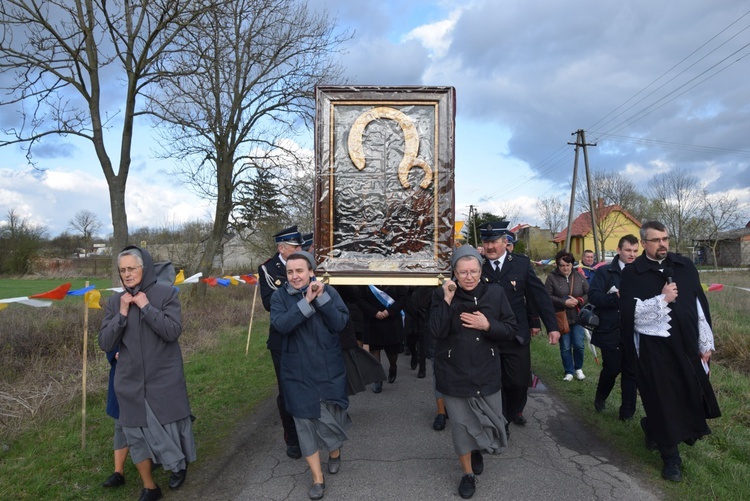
[(526, 294), (666, 327)]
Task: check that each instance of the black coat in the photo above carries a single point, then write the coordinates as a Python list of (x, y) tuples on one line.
[(525, 292), (390, 330), (674, 387), (607, 334), (271, 276), (467, 362)]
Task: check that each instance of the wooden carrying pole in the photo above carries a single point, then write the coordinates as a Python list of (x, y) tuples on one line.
[(83, 378), (252, 314)]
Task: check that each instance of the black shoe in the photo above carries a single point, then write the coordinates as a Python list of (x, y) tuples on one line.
[(150, 494), (293, 451), (439, 423), (316, 491), (177, 478), (377, 387), (334, 464), (414, 362), (671, 472), (114, 480), (477, 462), (507, 431), (519, 420), (392, 372), (599, 405), (422, 372), (650, 444), (467, 486)]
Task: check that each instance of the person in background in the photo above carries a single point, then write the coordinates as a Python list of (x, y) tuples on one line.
[(666, 326), (468, 318), (415, 329), (309, 316), (145, 321), (586, 268), (272, 276), (569, 292), (605, 295), (384, 325), (113, 410), (530, 303)]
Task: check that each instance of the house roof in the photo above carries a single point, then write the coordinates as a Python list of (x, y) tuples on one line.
[(582, 224), (728, 235)]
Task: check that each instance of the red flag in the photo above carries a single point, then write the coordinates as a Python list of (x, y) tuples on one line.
[(249, 279), (210, 281), (56, 293), (715, 287)]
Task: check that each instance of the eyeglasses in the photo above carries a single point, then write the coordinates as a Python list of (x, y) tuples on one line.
[(664, 240), (473, 273), (124, 271)]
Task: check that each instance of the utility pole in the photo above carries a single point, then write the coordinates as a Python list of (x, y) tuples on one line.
[(581, 143), (473, 223)]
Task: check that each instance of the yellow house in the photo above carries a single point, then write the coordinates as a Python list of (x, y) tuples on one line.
[(613, 223)]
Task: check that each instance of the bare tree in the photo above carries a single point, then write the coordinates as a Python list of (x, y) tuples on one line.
[(553, 212), (87, 225), (678, 204), (721, 212), (78, 64), (242, 84), (19, 243)]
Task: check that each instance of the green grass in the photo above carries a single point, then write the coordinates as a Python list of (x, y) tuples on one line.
[(19, 287), (717, 467), (224, 385)]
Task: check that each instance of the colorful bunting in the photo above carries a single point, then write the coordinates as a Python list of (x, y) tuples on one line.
[(180, 277), (56, 293), (715, 287), (92, 298), (81, 292)]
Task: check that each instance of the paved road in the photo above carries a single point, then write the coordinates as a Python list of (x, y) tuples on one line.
[(394, 454)]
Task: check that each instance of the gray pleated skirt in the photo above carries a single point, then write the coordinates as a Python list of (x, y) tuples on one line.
[(326, 432), (477, 423), (172, 444)]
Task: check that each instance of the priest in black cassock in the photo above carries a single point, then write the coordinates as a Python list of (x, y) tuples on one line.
[(666, 327)]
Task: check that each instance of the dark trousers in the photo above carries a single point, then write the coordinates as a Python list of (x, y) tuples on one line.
[(287, 420), (418, 347), (614, 363), (516, 376)]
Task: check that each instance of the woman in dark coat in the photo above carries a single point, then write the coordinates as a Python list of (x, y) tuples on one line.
[(569, 292), (384, 325), (145, 320), (468, 322), (309, 316)]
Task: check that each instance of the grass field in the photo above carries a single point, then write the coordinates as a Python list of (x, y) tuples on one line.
[(18, 287)]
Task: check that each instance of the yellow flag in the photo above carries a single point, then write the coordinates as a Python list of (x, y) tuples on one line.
[(232, 280), (3, 306), (180, 277), (92, 298)]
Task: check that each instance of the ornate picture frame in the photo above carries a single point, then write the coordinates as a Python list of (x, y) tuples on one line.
[(384, 191)]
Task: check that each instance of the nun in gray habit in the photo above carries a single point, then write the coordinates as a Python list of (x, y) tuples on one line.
[(468, 317), (145, 320)]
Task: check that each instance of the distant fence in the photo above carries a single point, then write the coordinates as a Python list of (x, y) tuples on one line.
[(97, 266)]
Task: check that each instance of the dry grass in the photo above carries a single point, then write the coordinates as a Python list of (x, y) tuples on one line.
[(41, 350)]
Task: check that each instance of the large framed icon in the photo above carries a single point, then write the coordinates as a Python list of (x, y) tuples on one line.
[(384, 189)]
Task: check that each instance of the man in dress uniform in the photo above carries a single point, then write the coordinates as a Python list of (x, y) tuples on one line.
[(526, 294), (272, 275)]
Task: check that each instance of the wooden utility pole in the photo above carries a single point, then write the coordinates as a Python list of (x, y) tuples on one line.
[(581, 143)]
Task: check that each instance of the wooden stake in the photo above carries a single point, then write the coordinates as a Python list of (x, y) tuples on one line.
[(252, 314), (85, 358)]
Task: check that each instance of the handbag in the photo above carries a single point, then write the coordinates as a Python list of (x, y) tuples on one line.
[(562, 322), (562, 316)]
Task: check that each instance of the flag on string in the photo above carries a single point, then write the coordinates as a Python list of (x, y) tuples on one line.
[(211, 281), (56, 293), (249, 279), (223, 281), (81, 292), (180, 277), (92, 298), (232, 280)]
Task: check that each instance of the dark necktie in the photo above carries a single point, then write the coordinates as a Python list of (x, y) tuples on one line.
[(497, 266)]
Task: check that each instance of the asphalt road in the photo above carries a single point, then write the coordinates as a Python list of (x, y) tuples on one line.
[(394, 454)]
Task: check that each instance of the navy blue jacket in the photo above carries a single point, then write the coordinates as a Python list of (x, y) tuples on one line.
[(607, 335), (312, 368)]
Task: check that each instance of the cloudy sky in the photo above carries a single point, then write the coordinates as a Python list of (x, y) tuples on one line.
[(656, 85)]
